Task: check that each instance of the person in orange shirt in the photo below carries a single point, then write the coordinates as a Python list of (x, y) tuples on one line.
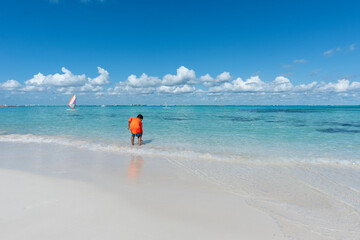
[(136, 128)]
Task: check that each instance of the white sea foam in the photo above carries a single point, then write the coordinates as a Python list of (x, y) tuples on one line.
[(125, 148), (105, 147)]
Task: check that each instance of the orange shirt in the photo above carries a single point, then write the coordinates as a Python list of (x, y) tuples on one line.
[(135, 126)]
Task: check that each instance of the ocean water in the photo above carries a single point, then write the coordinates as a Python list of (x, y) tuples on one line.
[(316, 134), (299, 164)]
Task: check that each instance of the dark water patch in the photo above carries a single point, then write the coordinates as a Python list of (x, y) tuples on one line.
[(175, 119), (275, 121), (77, 116), (239, 119), (286, 110), (92, 114), (356, 124), (337, 130), (295, 123), (350, 124), (300, 125)]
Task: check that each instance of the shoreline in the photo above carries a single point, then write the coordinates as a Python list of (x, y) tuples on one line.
[(180, 105), (122, 146)]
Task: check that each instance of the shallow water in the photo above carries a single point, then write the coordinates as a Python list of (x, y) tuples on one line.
[(240, 133)]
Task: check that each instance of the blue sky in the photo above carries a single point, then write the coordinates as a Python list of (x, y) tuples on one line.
[(192, 52)]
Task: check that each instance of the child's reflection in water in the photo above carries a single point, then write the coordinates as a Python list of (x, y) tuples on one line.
[(134, 169)]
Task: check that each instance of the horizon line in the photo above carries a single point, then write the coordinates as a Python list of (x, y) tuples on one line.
[(184, 105)]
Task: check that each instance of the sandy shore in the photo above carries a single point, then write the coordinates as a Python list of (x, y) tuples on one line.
[(56, 192)]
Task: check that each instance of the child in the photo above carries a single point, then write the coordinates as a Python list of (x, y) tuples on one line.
[(136, 128)]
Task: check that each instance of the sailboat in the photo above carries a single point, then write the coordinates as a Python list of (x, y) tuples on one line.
[(72, 102)]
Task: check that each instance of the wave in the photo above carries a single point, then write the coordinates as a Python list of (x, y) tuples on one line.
[(92, 145), (125, 148)]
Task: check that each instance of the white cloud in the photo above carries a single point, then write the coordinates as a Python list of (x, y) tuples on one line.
[(65, 83), (305, 87), (282, 84), (223, 77), (206, 78), (102, 79), (342, 85), (183, 76), (59, 80), (352, 47), (90, 88), (328, 52), (238, 85), (355, 85), (208, 81), (136, 85), (251, 84), (299, 61), (29, 88), (170, 84), (176, 90), (123, 88), (143, 81), (99, 94), (184, 82), (10, 85)]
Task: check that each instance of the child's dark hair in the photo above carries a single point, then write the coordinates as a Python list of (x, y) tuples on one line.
[(140, 116)]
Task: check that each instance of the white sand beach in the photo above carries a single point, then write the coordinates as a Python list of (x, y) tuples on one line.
[(179, 120), (56, 192)]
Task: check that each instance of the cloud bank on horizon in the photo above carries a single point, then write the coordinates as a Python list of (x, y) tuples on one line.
[(65, 83), (183, 83)]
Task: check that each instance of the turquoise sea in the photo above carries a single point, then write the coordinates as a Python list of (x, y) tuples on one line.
[(329, 134)]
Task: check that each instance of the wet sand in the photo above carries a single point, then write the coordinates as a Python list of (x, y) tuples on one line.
[(57, 192)]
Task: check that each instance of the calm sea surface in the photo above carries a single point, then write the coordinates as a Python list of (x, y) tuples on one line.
[(233, 133)]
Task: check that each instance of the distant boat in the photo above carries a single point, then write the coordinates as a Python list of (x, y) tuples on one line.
[(72, 102)]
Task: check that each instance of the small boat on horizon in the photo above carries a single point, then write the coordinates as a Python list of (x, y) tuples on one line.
[(72, 102)]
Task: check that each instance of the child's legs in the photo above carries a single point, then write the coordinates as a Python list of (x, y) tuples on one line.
[(132, 140), (139, 140)]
